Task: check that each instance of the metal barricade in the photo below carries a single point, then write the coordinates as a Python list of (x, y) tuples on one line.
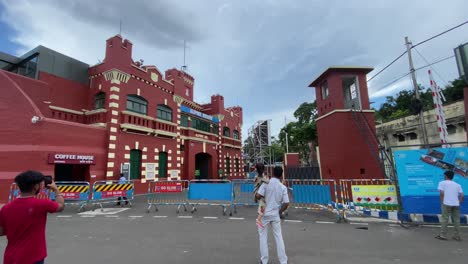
[(15, 193), (211, 193), (112, 192), (243, 193), (74, 192), (380, 198), (311, 193), (167, 193)]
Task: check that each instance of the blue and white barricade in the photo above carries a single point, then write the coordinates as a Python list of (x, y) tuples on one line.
[(15, 193), (311, 193), (167, 193), (113, 192), (243, 193), (74, 192), (210, 193)]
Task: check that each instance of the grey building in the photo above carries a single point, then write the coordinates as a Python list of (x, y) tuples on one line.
[(45, 60), (406, 131)]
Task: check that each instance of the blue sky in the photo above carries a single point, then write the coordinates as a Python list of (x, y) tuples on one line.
[(260, 55)]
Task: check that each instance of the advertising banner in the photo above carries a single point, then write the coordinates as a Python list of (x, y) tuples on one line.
[(375, 195), (420, 171)]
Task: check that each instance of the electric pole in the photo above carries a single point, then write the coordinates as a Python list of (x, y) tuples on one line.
[(286, 132), (416, 91)]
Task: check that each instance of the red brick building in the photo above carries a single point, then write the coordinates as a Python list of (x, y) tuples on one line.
[(346, 125), (79, 122)]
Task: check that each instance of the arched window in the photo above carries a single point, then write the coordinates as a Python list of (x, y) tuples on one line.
[(164, 112), (137, 104), (226, 132), (235, 134), (99, 100)]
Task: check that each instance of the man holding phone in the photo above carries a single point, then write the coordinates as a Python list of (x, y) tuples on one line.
[(23, 221)]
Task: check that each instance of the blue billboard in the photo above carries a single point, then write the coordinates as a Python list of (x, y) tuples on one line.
[(189, 110), (420, 171)]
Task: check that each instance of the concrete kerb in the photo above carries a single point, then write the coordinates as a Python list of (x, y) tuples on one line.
[(394, 215)]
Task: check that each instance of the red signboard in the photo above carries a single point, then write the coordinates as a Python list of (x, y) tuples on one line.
[(63, 158), (114, 194), (71, 195), (168, 187)]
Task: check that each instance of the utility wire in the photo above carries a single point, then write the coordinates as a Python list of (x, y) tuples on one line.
[(370, 79), (417, 69), (419, 43), (433, 68), (430, 64), (440, 34)]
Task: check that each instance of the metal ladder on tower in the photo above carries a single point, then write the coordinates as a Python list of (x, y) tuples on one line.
[(377, 150)]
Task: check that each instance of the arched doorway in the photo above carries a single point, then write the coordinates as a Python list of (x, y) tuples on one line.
[(203, 166)]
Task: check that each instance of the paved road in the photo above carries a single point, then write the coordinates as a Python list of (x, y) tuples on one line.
[(132, 236)]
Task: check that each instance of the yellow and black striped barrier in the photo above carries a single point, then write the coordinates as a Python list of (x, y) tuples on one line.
[(113, 187), (113, 192), (73, 188)]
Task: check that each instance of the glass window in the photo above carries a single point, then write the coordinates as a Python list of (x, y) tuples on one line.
[(228, 166), (226, 132), (164, 112), (237, 169), (324, 90), (99, 100), (184, 120), (215, 129), (451, 129), (137, 104), (235, 134), (200, 125), (413, 136)]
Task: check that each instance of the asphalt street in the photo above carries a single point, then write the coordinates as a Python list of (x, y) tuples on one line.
[(121, 236)]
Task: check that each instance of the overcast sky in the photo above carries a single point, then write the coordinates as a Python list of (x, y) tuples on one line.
[(260, 55)]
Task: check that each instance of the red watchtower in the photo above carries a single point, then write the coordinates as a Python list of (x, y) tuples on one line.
[(346, 125)]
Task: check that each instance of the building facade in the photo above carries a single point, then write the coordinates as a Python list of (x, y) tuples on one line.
[(406, 132), (88, 123)]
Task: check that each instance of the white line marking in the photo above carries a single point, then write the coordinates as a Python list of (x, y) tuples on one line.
[(64, 216), (160, 216), (393, 225), (438, 226), (293, 221), (324, 222), (365, 224), (237, 218), (111, 216), (210, 217), (135, 216), (105, 211), (184, 216), (87, 216)]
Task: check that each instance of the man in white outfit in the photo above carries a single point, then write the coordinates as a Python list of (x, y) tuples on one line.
[(277, 201), (451, 197)]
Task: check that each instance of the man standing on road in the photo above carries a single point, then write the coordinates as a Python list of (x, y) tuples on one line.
[(23, 221), (277, 201), (122, 180), (451, 197)]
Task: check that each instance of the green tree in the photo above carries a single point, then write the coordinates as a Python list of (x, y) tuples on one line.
[(404, 103), (302, 132)]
